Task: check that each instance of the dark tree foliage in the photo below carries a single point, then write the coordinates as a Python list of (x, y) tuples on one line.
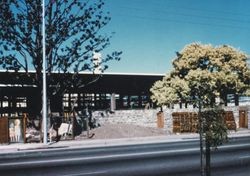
[(214, 132), (215, 129), (73, 33)]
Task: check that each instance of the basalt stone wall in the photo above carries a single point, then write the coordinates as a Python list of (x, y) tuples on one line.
[(148, 117), (136, 117)]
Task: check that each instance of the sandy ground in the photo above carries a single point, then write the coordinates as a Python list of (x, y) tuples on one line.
[(121, 130)]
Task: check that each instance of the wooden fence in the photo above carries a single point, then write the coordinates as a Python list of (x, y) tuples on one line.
[(188, 121), (4, 130)]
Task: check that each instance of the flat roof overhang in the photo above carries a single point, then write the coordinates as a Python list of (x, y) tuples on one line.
[(120, 83)]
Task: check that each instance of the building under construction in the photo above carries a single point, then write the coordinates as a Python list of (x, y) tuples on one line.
[(19, 98)]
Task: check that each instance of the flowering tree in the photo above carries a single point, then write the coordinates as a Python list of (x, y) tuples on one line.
[(204, 72), (201, 74)]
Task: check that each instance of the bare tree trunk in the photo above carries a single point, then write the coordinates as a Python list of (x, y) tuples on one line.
[(236, 99), (208, 156), (201, 140)]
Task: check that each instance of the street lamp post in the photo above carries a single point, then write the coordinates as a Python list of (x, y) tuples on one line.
[(44, 77)]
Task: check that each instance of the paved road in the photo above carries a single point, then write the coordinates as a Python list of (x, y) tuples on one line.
[(175, 158)]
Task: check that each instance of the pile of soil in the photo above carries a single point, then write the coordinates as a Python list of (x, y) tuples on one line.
[(122, 130)]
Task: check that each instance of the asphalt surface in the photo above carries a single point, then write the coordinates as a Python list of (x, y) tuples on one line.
[(162, 158)]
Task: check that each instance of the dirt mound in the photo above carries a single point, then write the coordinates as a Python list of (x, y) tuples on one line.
[(122, 130)]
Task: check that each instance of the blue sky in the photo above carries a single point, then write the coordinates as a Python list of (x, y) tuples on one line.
[(149, 32)]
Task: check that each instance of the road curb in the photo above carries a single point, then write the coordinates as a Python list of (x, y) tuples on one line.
[(88, 143)]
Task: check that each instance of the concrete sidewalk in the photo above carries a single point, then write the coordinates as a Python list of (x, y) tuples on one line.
[(90, 143)]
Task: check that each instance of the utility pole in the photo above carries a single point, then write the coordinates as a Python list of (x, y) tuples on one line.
[(44, 77)]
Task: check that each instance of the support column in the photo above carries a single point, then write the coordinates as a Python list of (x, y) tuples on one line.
[(112, 102), (140, 100), (120, 101), (95, 103), (128, 102)]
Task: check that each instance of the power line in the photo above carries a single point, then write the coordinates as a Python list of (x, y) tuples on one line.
[(183, 21), (157, 4), (190, 15)]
